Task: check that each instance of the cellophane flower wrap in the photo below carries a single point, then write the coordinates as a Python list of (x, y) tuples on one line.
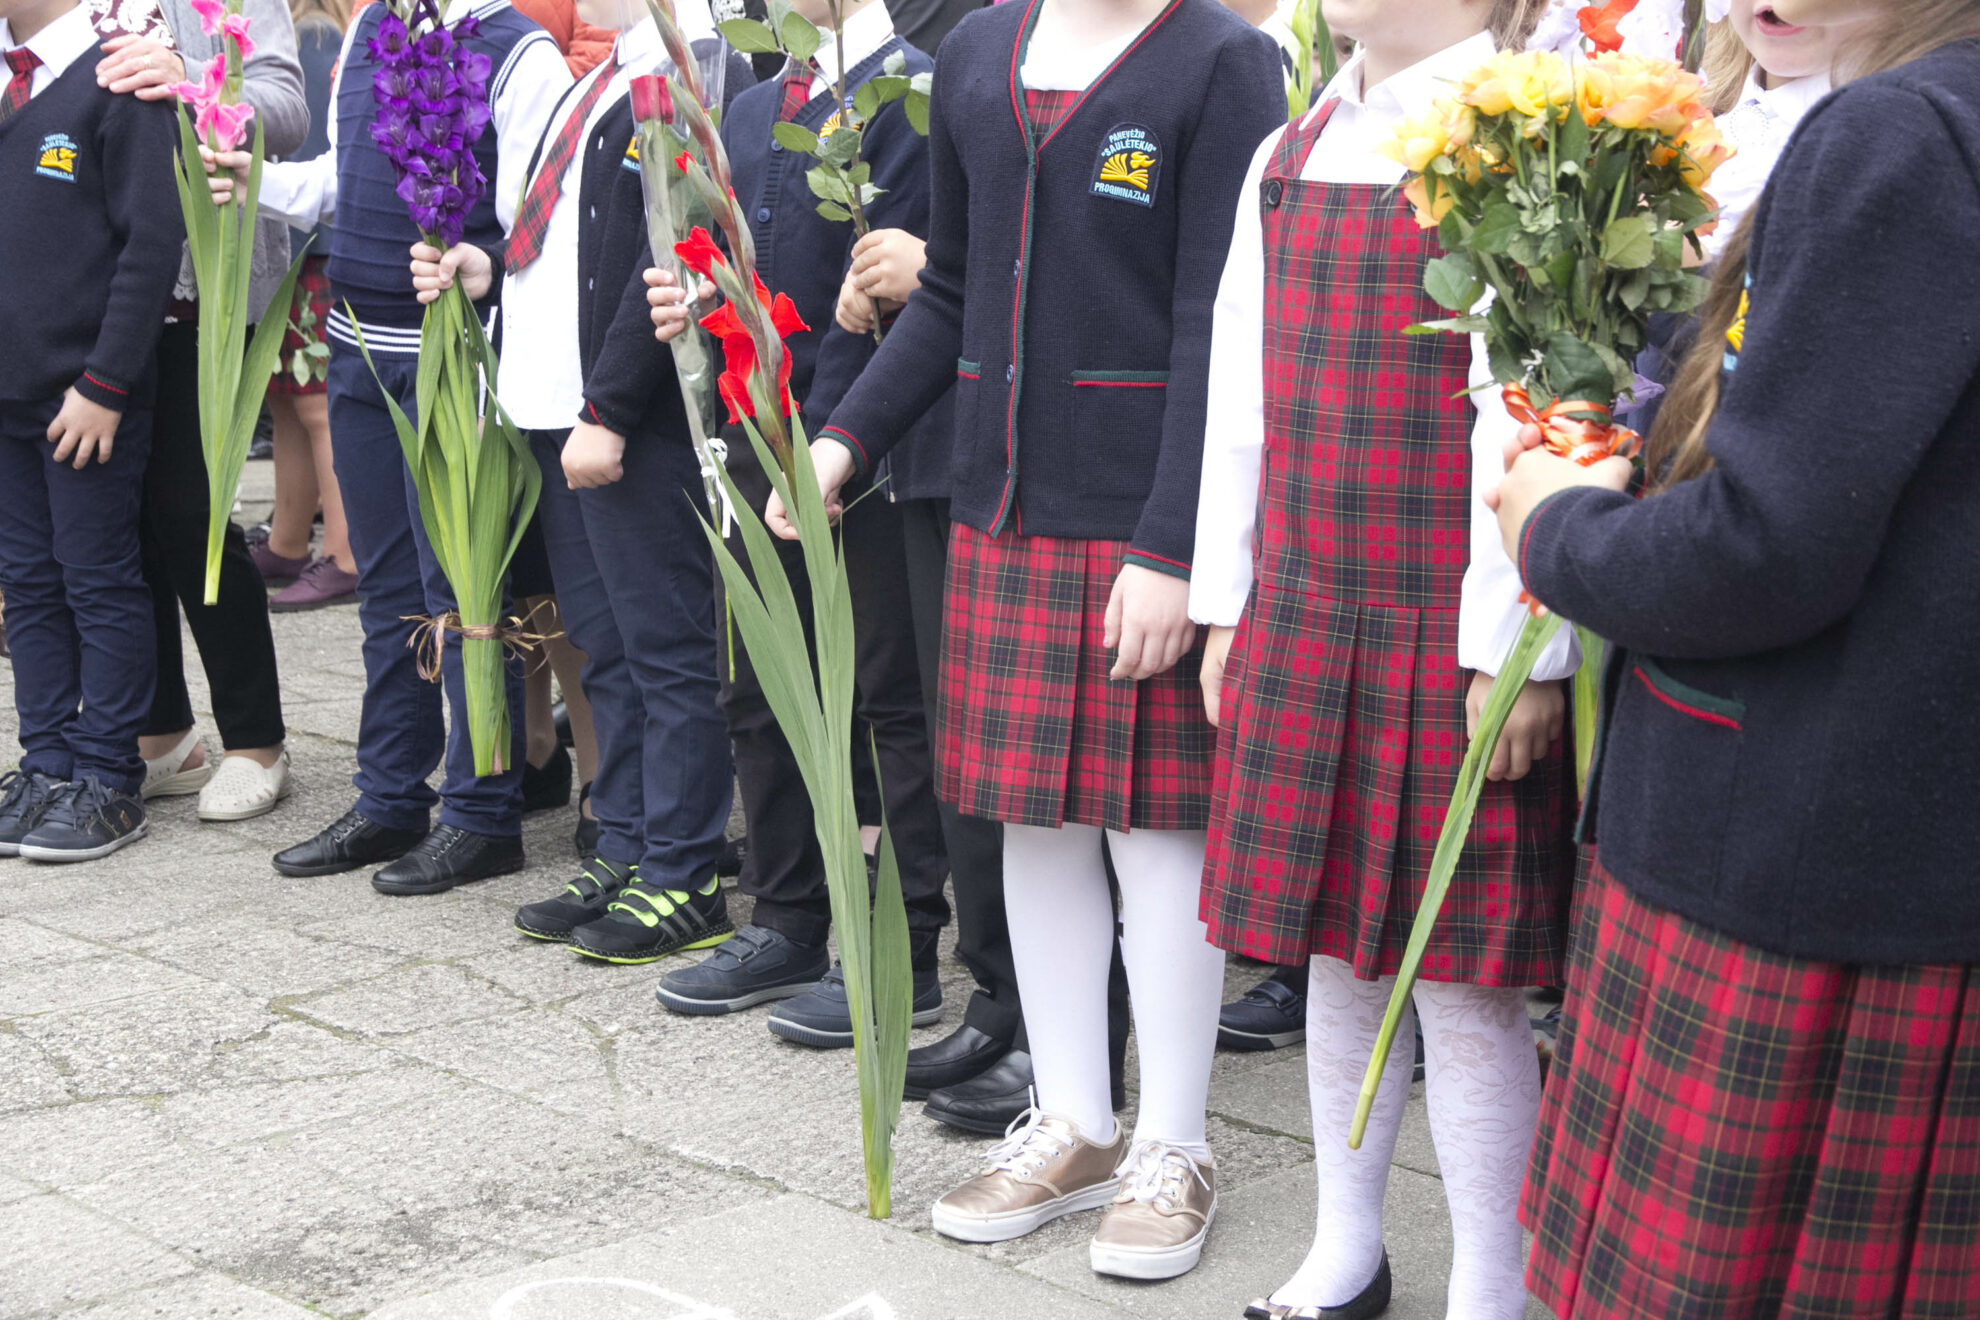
[(233, 369), (812, 700), (476, 478), (1570, 192)]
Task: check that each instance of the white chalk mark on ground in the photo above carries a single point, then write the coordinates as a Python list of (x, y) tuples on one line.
[(870, 1307)]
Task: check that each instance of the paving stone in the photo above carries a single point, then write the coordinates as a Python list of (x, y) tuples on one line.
[(290, 1049), (1273, 1096), (247, 951), (54, 1253), (29, 1079), (272, 1219), (408, 999), (78, 1143), (222, 1116), (207, 1296), (545, 973), (148, 1044), (29, 945), (451, 925), (105, 979), (546, 1057), (829, 1264)]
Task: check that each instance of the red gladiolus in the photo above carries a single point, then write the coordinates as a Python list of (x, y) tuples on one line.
[(739, 361), (1598, 23), (651, 101), (698, 250)]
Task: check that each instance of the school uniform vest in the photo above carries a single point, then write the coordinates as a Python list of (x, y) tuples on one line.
[(373, 228)]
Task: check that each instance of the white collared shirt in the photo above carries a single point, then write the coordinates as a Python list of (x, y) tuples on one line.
[(521, 95), (865, 32), (59, 44), (1759, 126), (1490, 613)]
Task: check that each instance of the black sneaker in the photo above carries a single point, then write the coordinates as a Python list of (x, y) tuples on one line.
[(821, 1017), (582, 900), (1271, 1016), (84, 820), (756, 966), (24, 798), (644, 923)]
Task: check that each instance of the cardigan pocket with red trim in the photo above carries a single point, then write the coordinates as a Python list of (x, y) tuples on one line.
[(1683, 746), (1116, 428)]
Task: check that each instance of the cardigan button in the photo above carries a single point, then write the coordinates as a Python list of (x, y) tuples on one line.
[(776, 145), (763, 216), (1275, 192), (1010, 373)]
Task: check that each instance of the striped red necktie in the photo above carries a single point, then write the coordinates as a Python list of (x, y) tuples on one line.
[(533, 216), (23, 62), (797, 92)]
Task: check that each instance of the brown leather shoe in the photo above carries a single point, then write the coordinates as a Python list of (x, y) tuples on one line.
[(1042, 1170), (1157, 1225)]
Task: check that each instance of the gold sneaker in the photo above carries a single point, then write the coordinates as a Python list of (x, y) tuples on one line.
[(1156, 1227), (1042, 1170)]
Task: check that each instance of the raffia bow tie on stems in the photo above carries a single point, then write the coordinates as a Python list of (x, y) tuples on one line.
[(429, 637)]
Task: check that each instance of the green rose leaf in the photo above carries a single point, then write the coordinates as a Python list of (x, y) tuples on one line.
[(795, 137), (801, 37), (1452, 282), (749, 36), (1496, 229), (1628, 243)]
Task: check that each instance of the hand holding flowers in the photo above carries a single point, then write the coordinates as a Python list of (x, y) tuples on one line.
[(1534, 472)]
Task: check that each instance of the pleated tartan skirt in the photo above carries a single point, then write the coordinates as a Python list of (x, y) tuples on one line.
[(1729, 1132), (1032, 731)]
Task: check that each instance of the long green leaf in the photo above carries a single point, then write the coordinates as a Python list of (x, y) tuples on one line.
[(1512, 676), (1587, 705)]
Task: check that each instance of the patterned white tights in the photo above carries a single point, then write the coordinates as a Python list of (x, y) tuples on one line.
[(1484, 1099)]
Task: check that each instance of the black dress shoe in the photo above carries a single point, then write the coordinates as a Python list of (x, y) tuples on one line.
[(1365, 1305), (352, 841), (991, 1101), (962, 1054), (548, 786), (447, 857), (585, 837)]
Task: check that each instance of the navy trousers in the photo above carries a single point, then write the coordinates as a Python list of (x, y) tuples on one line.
[(402, 733), (635, 589), (78, 612)]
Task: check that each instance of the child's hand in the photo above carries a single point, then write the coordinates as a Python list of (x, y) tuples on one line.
[(434, 271), (834, 464), (887, 264), (145, 68), (1148, 619), (223, 171), (855, 309), (1532, 474), (1531, 731), (593, 457), (1216, 650), (669, 303), (83, 429)]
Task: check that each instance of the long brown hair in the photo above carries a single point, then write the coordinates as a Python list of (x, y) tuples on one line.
[(1676, 451), (337, 11), (1513, 21)]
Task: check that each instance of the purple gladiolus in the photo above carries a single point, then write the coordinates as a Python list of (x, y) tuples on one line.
[(432, 105)]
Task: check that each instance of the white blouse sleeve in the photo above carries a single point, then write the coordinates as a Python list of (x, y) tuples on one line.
[(1234, 433), (1490, 612)]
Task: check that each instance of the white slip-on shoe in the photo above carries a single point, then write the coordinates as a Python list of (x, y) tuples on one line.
[(168, 776), (242, 790)]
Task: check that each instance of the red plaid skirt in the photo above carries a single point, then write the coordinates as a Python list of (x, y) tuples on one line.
[(312, 293), (1732, 1132), (1032, 731)]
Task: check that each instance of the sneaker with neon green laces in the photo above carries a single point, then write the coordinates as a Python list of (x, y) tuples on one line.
[(582, 900), (645, 922)]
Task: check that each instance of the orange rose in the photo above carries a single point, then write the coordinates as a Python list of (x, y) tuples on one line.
[(1432, 200)]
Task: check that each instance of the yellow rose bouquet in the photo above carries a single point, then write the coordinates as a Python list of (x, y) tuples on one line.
[(1569, 192)]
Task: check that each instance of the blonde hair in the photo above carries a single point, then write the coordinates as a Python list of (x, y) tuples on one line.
[(1676, 451), (337, 11), (1513, 21), (1725, 66)]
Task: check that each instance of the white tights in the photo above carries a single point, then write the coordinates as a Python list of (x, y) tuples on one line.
[(1484, 1100), (1062, 939)]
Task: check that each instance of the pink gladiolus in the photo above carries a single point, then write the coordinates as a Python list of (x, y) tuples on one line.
[(211, 14), (223, 125), (207, 90), (236, 26)]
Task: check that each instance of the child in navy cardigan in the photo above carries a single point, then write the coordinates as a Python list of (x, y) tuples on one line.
[(782, 953), (1086, 164), (89, 248), (621, 492), (1764, 1094)]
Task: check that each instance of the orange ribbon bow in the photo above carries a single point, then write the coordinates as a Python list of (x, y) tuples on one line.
[(1582, 440)]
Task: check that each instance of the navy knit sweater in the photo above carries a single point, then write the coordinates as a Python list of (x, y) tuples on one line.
[(1070, 279), (90, 232), (1793, 738), (802, 254)]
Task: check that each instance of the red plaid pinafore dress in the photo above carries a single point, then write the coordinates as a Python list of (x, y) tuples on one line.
[(1031, 730), (1343, 707)]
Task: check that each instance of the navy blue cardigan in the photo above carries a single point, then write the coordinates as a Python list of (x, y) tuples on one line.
[(1793, 740), (1071, 279), (802, 254)]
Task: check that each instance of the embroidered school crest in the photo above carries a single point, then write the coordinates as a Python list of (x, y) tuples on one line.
[(1736, 332), (57, 158), (1128, 166), (631, 159)]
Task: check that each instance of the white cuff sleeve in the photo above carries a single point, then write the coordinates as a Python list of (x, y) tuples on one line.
[(303, 192)]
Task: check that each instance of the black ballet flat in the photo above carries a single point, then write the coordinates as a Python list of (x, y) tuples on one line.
[(1369, 1303)]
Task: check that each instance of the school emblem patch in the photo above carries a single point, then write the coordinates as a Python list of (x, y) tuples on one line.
[(631, 159), (1129, 165), (57, 158)]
